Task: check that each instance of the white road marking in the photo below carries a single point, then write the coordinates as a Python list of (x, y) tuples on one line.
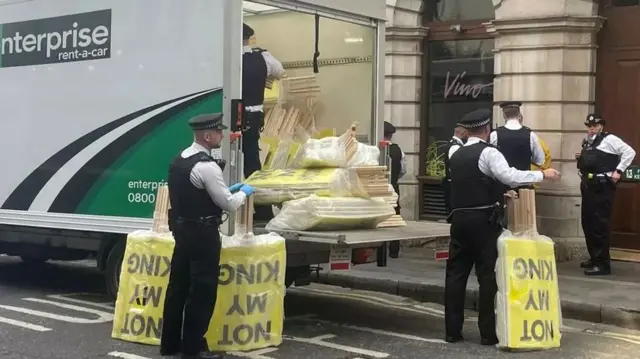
[(126, 355), (103, 317), (103, 305), (319, 341), (255, 354), (25, 325), (372, 330)]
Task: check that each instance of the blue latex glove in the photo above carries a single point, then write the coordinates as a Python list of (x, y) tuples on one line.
[(248, 190), (235, 188)]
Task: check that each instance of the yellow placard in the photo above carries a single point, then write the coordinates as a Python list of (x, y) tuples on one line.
[(533, 308), (276, 178), (272, 94), (249, 311), (143, 286)]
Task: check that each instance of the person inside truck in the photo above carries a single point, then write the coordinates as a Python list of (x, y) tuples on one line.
[(479, 174), (257, 65), (397, 171), (198, 197)]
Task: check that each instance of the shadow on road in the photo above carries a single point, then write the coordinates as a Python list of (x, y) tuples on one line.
[(54, 277)]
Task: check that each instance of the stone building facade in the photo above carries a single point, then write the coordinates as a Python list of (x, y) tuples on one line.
[(544, 55)]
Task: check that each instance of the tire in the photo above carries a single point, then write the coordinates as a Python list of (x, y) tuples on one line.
[(113, 267), (33, 260)]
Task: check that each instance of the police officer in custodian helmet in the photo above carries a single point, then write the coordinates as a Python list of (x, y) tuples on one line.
[(198, 197), (479, 173), (602, 161)]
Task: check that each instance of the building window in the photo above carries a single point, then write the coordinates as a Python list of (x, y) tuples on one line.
[(460, 81), (458, 10)]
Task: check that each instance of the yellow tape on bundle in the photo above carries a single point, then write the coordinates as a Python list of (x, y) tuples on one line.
[(533, 300), (143, 286), (274, 178), (249, 311)]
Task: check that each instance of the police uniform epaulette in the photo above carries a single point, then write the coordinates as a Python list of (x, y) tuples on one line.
[(203, 157), (257, 49)]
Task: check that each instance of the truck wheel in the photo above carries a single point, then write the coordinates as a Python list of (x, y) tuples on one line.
[(113, 267), (33, 260)]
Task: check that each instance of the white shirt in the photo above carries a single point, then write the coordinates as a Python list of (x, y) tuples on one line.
[(208, 176), (454, 148), (274, 67), (537, 154), (615, 145), (493, 164)]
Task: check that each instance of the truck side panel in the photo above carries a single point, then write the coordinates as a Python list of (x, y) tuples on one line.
[(99, 99)]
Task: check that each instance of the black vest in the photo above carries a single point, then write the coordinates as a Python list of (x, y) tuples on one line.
[(187, 201), (469, 186), (447, 148), (254, 77), (593, 160), (515, 145)]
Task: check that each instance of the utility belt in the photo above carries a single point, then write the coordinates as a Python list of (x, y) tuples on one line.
[(595, 178), (495, 211), (207, 221), (253, 113)]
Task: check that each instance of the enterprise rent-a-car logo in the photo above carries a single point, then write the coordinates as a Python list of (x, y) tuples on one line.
[(76, 37)]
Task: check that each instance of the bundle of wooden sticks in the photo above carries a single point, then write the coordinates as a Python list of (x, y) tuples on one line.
[(161, 212), (521, 213)]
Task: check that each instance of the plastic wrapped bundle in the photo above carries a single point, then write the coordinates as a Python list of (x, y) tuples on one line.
[(277, 186), (331, 213), (249, 312), (336, 152), (528, 315), (143, 286)]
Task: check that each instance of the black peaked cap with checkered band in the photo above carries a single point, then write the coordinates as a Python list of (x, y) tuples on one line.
[(475, 119), (593, 119)]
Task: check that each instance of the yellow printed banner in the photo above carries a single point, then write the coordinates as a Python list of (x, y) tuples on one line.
[(528, 300), (249, 312)]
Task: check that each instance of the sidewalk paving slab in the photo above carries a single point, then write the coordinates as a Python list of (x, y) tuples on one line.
[(613, 300)]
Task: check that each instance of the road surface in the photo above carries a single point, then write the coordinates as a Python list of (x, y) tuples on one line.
[(58, 311)]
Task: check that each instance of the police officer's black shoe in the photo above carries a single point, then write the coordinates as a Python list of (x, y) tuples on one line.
[(586, 264), (489, 341), (394, 255), (597, 270), (203, 355), (453, 338)]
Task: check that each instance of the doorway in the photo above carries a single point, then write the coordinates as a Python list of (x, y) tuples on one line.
[(617, 93)]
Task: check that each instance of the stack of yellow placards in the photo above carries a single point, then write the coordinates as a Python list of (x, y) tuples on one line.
[(528, 300), (249, 311)]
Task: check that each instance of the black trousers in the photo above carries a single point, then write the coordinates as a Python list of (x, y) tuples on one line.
[(597, 200), (251, 152), (193, 287), (394, 246), (446, 186), (473, 242)]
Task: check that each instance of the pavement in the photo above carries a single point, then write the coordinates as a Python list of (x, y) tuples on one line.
[(59, 311), (610, 300)]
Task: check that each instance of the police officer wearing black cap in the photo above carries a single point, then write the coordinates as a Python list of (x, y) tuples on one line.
[(479, 173), (457, 141), (398, 169), (602, 161), (519, 145), (198, 197), (257, 66)]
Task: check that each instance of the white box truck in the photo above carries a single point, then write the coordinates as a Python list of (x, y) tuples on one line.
[(95, 99)]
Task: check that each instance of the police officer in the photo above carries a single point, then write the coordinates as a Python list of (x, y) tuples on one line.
[(257, 66), (198, 197), (459, 136), (398, 169), (519, 145), (479, 173), (603, 159)]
